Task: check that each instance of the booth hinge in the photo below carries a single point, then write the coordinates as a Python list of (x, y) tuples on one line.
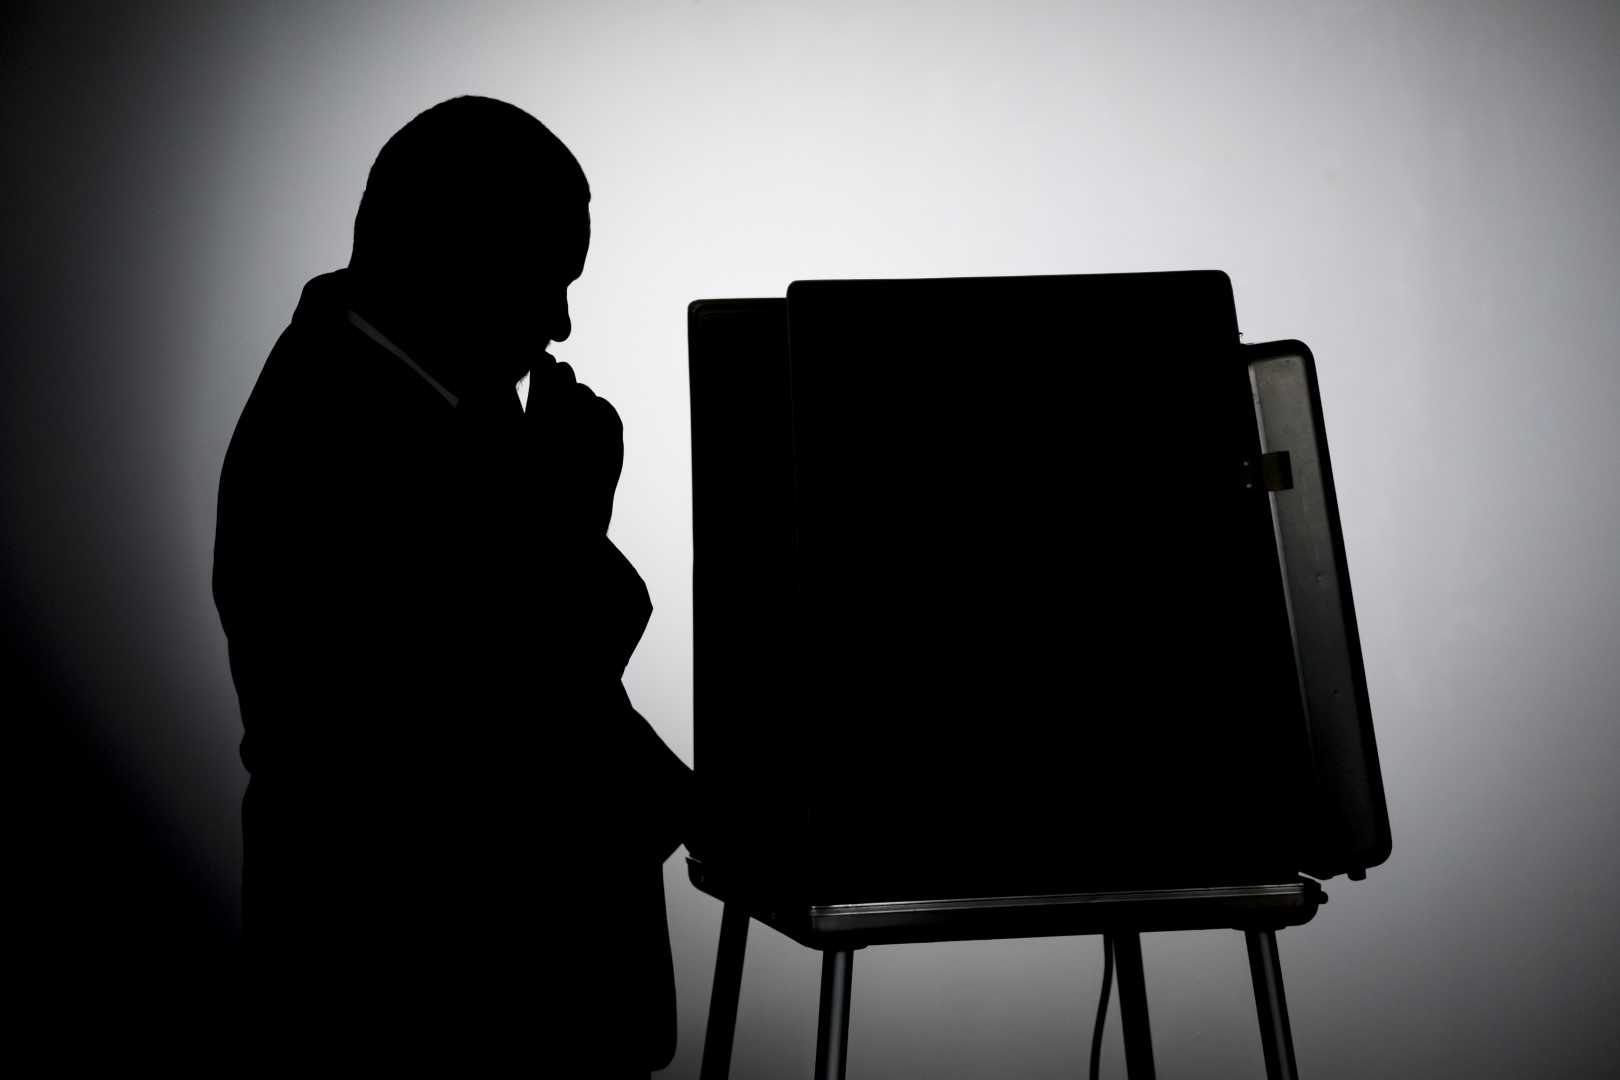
[(1274, 473)]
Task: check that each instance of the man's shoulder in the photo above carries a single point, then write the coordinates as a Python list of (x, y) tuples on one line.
[(321, 389), (321, 350), (322, 365)]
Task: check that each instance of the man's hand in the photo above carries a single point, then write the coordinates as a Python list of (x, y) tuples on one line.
[(578, 452), (598, 603)]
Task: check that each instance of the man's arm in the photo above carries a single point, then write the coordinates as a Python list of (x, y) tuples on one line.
[(598, 607)]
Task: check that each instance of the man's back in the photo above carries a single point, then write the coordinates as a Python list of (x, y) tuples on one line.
[(366, 548)]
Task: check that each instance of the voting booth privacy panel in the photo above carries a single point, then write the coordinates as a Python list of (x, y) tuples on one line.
[(1020, 585)]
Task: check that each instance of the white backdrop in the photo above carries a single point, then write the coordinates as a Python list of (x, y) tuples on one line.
[(1428, 193)]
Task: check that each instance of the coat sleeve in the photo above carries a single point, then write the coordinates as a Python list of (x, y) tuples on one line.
[(596, 608)]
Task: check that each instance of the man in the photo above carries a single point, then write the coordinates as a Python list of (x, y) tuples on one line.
[(453, 809)]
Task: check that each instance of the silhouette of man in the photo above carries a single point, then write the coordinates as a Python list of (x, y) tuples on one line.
[(455, 820)]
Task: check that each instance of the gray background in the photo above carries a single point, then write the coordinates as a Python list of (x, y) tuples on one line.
[(1428, 193)]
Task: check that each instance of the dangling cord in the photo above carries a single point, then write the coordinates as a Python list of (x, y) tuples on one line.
[(1102, 1003)]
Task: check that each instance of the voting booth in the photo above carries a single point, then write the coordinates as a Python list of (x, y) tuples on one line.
[(1015, 588)]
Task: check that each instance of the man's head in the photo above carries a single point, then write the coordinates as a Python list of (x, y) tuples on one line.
[(474, 221)]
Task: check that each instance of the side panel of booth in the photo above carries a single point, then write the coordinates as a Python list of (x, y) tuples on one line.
[(744, 583), (1352, 829)]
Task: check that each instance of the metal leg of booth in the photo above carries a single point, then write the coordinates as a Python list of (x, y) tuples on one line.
[(832, 1032), (1133, 1010), (1275, 1037), (728, 965), (832, 1029)]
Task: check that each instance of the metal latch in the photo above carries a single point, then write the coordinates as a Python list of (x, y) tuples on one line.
[(1276, 472)]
